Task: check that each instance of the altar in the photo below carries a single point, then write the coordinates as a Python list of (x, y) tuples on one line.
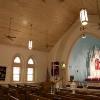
[(93, 82), (94, 66)]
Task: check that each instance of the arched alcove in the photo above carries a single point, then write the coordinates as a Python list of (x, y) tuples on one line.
[(78, 62)]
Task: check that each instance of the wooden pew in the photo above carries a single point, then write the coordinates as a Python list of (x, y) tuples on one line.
[(61, 97), (35, 97), (80, 96), (13, 98)]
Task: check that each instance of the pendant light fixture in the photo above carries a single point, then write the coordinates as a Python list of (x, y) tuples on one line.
[(83, 15), (30, 42), (83, 31), (83, 20), (83, 36)]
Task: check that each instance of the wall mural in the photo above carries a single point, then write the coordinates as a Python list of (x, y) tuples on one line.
[(84, 60)]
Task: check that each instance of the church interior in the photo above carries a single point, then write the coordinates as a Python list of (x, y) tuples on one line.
[(49, 49)]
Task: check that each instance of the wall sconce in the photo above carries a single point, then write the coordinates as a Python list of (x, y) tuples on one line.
[(63, 66)]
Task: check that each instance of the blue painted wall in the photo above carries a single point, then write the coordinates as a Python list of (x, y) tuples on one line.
[(78, 62)]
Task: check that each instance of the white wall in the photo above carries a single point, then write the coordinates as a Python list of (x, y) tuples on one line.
[(7, 54)]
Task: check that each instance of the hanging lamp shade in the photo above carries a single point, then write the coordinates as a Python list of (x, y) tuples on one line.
[(83, 17), (30, 44)]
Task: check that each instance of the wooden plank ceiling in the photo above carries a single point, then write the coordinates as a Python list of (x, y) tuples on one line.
[(49, 19)]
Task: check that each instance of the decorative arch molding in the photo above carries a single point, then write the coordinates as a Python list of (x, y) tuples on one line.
[(21, 59), (68, 50), (74, 41), (81, 53), (16, 68), (73, 34), (70, 38), (33, 58)]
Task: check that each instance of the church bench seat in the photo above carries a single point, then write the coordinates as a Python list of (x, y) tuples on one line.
[(36, 97), (87, 97), (13, 98)]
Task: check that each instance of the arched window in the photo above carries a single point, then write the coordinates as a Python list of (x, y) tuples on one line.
[(30, 61), (30, 70), (17, 60), (16, 68)]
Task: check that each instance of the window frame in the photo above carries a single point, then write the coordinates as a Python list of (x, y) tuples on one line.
[(17, 65), (16, 74), (30, 66), (30, 74)]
